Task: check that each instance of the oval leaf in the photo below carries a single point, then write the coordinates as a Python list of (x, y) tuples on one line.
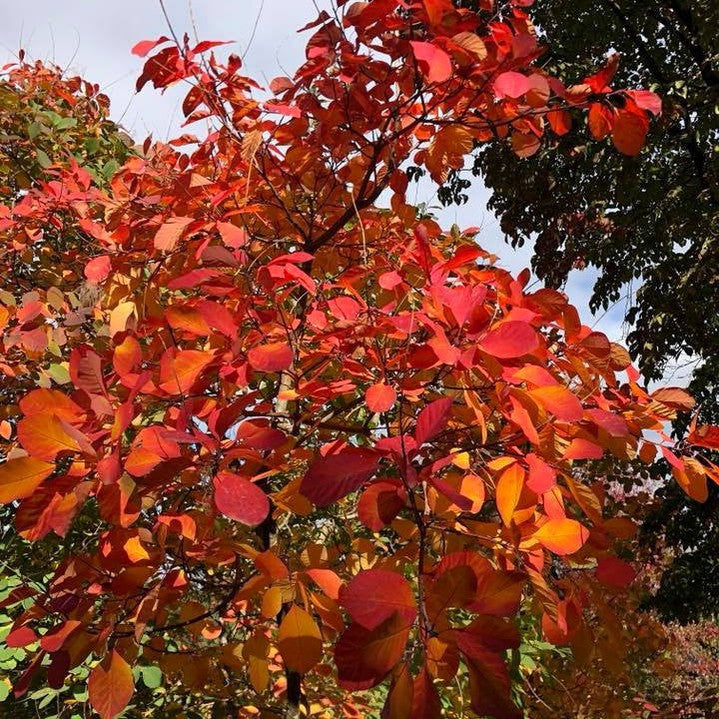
[(562, 536), (239, 499), (510, 339), (299, 640)]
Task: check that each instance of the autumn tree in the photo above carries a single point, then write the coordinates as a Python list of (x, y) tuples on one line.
[(326, 445)]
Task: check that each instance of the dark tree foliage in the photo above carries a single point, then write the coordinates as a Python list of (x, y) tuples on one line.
[(689, 586), (649, 224)]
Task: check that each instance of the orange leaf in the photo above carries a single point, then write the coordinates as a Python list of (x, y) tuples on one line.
[(45, 436), (21, 476), (179, 371), (560, 401), (170, 232), (380, 397), (562, 536), (509, 489), (110, 686), (674, 397), (273, 357)]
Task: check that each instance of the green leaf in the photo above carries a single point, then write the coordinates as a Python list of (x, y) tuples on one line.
[(151, 677), (42, 159), (66, 123), (34, 129)]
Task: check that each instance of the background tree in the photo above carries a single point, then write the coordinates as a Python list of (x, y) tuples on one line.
[(319, 446), (649, 223), (53, 127)]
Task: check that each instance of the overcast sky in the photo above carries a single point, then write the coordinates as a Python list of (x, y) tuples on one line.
[(94, 37)]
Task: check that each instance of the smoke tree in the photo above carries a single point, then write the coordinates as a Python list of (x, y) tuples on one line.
[(323, 444)]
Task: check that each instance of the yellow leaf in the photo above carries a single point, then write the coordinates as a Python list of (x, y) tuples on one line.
[(119, 317), (299, 640)]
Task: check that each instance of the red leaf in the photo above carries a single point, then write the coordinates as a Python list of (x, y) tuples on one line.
[(599, 119), (240, 499), (332, 477), (144, 46), (583, 449), (20, 637), (647, 100), (374, 595), (425, 698), (86, 371), (434, 62), (110, 686), (379, 505), (487, 633), (599, 82), (609, 422), (432, 419), (231, 235), (614, 572), (629, 131), (54, 640), (510, 339), (273, 357), (98, 268), (380, 397), (290, 110), (511, 84), (705, 436), (364, 657), (542, 477), (489, 686)]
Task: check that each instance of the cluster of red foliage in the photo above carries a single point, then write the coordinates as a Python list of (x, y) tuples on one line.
[(265, 340)]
